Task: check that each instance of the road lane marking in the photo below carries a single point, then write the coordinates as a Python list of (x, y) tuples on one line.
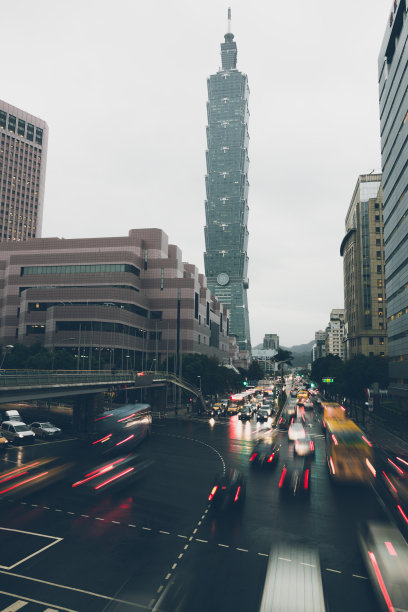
[(195, 530), (168, 576), (186, 546), (85, 515), (68, 588), (99, 519), (180, 555), (198, 540), (332, 570), (159, 590), (46, 507), (165, 532), (116, 522), (43, 603), (129, 525), (199, 523), (362, 577), (57, 510), (284, 559), (17, 605), (146, 528), (181, 536), (307, 564), (242, 549), (174, 566), (70, 512), (262, 555), (224, 545)]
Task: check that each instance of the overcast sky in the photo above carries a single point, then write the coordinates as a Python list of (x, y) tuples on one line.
[(122, 86)]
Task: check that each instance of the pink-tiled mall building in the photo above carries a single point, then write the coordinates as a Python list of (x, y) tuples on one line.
[(128, 302)]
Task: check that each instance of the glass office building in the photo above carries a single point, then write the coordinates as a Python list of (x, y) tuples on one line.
[(226, 206), (393, 95)]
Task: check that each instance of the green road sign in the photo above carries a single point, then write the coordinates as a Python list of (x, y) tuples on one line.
[(327, 380)]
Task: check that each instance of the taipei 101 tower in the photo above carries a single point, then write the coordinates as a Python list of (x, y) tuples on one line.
[(226, 206)]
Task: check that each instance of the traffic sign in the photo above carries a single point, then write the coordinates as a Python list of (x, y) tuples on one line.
[(327, 380)]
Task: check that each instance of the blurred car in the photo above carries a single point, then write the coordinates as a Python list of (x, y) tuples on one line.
[(385, 553), (284, 422), (119, 472), (32, 477), (304, 447), (296, 431), (293, 393), (45, 429), (265, 452), (392, 473), (228, 491), (295, 478), (245, 414), (308, 404), (3, 443), (262, 415), (17, 432)]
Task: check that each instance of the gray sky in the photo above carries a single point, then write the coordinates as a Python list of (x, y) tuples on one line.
[(122, 86)]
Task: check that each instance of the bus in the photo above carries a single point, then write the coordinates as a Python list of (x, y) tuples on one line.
[(332, 410), (349, 453), (302, 396), (122, 429), (293, 580)]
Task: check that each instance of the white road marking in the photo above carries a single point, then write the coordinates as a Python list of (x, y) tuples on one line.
[(46, 507), (362, 577), (195, 530), (146, 528), (159, 590), (174, 566), (262, 555), (99, 519), (129, 525), (332, 570), (116, 522), (85, 515), (17, 605), (168, 576), (151, 602), (180, 555), (224, 545), (166, 532), (70, 512), (34, 505), (199, 523), (67, 588), (284, 559), (198, 540), (243, 549), (181, 536), (43, 603), (57, 510), (308, 564), (186, 546)]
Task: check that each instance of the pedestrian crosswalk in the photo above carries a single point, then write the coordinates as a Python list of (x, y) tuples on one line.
[(25, 605)]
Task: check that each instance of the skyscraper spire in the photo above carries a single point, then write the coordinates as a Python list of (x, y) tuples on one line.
[(229, 20), (229, 48)]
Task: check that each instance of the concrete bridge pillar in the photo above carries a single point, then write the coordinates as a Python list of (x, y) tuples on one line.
[(84, 410), (156, 397)]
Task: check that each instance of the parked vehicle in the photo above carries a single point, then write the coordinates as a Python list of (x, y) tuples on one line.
[(17, 432)]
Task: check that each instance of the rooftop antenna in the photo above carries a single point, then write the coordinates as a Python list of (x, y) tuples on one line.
[(229, 20)]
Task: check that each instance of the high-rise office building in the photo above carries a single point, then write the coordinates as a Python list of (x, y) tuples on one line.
[(271, 341), (319, 347), (23, 157), (362, 250), (335, 333), (393, 95), (226, 206)]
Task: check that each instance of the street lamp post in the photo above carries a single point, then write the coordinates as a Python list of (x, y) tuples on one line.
[(6, 349)]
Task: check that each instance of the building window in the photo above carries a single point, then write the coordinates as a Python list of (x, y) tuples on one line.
[(199, 339), (161, 279), (379, 282), (380, 313), (379, 269), (378, 254), (196, 305), (371, 340), (381, 340)]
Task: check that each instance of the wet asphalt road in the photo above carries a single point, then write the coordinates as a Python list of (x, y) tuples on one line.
[(130, 548)]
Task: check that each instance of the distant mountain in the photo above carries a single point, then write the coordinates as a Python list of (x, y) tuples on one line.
[(301, 353)]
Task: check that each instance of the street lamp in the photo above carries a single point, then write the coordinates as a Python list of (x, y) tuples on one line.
[(6, 349)]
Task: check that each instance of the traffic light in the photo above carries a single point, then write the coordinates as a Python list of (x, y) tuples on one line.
[(245, 383)]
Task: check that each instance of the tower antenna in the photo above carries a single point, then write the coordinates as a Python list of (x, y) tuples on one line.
[(229, 20)]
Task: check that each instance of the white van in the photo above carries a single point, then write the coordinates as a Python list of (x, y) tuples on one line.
[(12, 415)]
